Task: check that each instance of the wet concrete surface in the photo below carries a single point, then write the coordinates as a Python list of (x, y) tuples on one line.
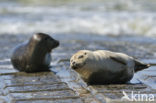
[(21, 87), (65, 85)]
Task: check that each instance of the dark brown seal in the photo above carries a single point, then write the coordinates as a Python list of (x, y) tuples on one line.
[(34, 56)]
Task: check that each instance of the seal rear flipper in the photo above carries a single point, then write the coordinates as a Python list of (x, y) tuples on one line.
[(140, 66)]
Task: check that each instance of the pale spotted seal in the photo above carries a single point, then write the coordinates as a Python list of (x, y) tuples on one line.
[(34, 56), (105, 67)]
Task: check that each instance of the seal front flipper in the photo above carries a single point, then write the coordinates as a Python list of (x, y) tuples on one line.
[(119, 60)]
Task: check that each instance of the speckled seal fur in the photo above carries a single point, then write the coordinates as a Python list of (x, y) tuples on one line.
[(105, 67), (34, 56)]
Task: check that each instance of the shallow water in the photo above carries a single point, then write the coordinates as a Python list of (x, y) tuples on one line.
[(103, 17)]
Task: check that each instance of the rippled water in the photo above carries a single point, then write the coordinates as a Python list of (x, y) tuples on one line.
[(103, 17)]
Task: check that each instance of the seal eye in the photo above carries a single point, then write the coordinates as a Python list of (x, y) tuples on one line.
[(85, 53), (81, 56)]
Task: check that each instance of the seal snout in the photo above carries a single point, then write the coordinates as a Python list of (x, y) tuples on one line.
[(74, 65), (57, 43), (54, 44)]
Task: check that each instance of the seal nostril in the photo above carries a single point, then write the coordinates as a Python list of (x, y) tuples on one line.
[(73, 63)]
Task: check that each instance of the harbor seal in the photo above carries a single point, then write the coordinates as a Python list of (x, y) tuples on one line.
[(34, 55), (105, 67)]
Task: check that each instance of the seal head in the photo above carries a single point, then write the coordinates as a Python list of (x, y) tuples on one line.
[(44, 41), (79, 60)]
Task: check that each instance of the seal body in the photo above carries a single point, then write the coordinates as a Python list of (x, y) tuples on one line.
[(34, 56), (105, 67)]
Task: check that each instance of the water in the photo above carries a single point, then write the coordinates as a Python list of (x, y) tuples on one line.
[(102, 17)]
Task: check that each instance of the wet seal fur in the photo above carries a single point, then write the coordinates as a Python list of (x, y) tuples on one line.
[(105, 67), (34, 56)]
